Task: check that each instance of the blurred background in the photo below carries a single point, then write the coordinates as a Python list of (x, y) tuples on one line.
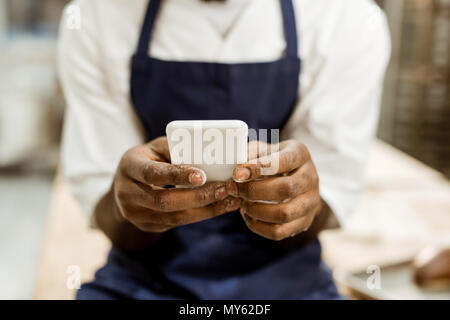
[(405, 208)]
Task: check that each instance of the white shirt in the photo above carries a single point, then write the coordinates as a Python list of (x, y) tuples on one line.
[(344, 45)]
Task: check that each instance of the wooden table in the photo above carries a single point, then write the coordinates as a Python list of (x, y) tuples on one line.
[(404, 207)]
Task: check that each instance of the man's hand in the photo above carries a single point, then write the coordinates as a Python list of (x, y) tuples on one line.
[(138, 209), (142, 200), (286, 181)]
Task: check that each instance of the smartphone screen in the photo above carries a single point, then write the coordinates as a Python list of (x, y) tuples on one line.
[(215, 146)]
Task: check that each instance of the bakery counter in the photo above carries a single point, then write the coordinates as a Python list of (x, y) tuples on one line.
[(404, 208)]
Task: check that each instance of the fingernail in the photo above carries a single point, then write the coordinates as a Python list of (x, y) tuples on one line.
[(196, 178), (221, 192), (242, 174)]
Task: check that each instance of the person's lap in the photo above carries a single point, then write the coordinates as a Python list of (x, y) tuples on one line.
[(301, 275)]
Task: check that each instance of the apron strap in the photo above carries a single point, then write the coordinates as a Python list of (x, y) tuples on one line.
[(290, 27), (147, 27)]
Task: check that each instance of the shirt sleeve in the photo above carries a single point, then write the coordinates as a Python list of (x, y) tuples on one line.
[(337, 114), (99, 127)]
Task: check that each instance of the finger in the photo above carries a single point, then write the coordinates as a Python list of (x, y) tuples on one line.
[(179, 199), (161, 173), (280, 188), (178, 218), (200, 214), (252, 150), (298, 207), (291, 155), (257, 149), (277, 232), (160, 147)]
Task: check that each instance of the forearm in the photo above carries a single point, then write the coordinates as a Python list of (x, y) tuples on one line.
[(122, 233)]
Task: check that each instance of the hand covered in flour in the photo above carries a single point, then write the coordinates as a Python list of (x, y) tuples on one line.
[(140, 197), (279, 189)]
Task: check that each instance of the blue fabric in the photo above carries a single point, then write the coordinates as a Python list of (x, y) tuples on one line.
[(219, 258)]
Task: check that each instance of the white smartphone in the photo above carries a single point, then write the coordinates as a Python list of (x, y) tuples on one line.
[(215, 146)]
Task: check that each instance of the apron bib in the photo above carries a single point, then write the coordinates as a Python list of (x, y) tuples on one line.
[(219, 258)]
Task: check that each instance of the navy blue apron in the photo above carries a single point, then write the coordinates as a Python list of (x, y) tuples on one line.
[(219, 258)]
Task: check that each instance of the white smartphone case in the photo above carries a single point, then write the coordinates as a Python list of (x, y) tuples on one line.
[(215, 146)]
